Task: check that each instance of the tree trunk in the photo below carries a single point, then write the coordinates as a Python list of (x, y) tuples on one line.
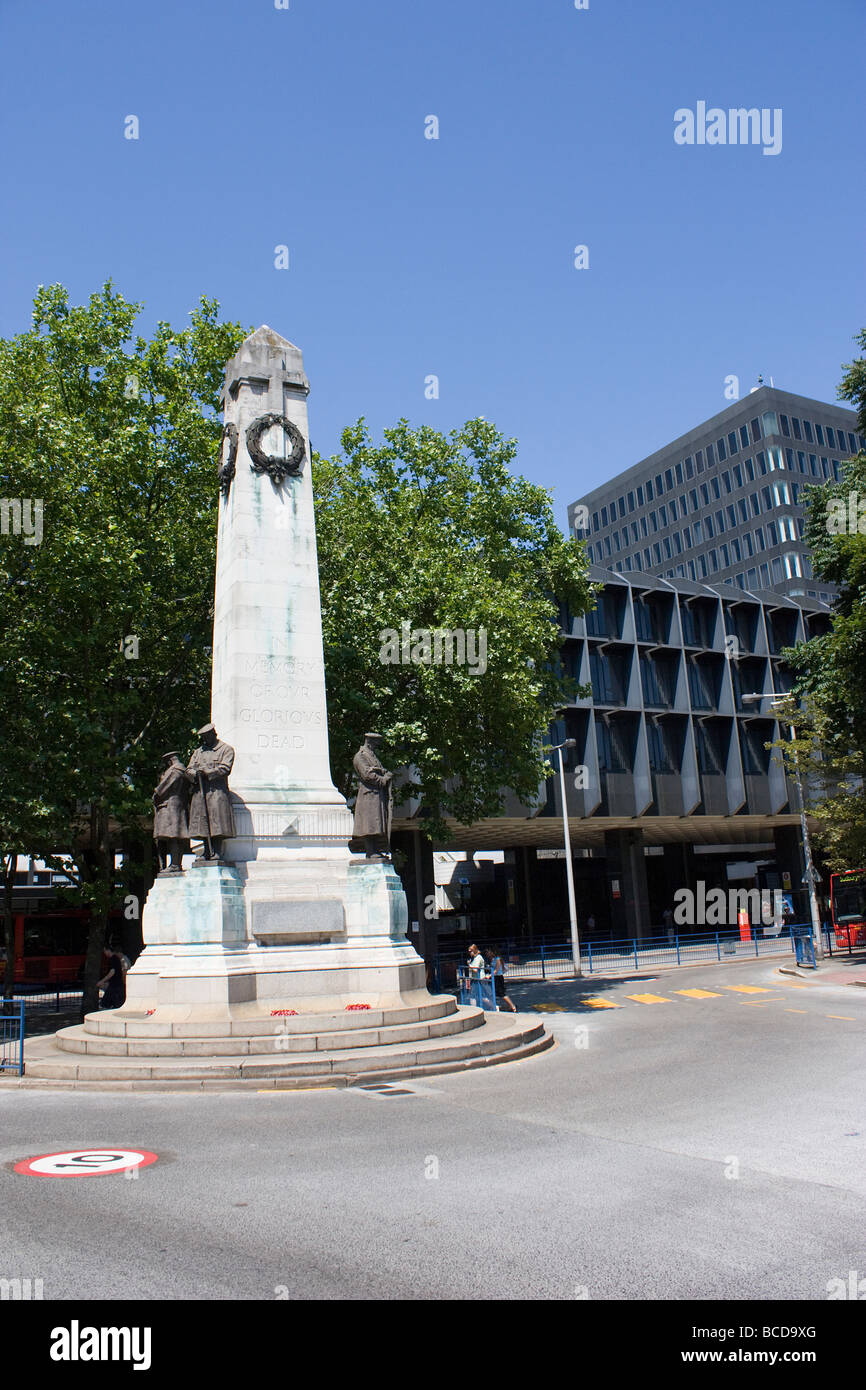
[(10, 868), (101, 862)]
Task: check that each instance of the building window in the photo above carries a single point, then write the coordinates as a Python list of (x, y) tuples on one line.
[(807, 430), (631, 501), (762, 463), (721, 450), (669, 480), (744, 436), (716, 490), (714, 562), (733, 446), (720, 523), (667, 548), (725, 556), (708, 527), (689, 467), (649, 490), (819, 433), (756, 430), (663, 515), (621, 505), (646, 559), (743, 509), (759, 538), (726, 479), (711, 458), (738, 474), (747, 544), (731, 517), (769, 422), (678, 471), (699, 460), (735, 550), (660, 487), (691, 569), (750, 470), (831, 437), (640, 496), (756, 504), (752, 579), (798, 433)]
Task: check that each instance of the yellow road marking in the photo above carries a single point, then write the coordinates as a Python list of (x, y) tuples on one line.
[(698, 993), (848, 1017), (649, 998), (748, 989), (549, 1008), (789, 984), (758, 1003), (796, 1011), (600, 1003)]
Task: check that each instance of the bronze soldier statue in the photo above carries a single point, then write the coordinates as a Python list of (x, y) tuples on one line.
[(170, 818), (372, 826), (210, 814)]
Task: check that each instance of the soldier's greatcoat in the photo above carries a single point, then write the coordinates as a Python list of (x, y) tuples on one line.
[(216, 764), (171, 803), (373, 803)]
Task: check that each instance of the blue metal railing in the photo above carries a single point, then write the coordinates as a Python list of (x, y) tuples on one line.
[(12, 1035), (477, 990), (554, 958)]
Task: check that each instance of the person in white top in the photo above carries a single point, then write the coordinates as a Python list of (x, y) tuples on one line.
[(476, 962)]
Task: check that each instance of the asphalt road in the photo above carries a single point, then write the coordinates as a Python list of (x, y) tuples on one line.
[(677, 1145)]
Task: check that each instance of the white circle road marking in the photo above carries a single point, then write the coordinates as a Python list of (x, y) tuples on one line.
[(79, 1163)]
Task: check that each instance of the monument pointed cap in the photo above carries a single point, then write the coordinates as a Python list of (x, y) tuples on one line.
[(267, 356), (270, 338)]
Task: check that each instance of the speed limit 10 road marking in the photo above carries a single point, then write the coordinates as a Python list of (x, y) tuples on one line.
[(84, 1163)]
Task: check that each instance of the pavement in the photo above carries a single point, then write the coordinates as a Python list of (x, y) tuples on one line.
[(698, 1133)]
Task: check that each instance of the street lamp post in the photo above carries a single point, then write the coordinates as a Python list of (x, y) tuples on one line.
[(810, 876), (572, 906)]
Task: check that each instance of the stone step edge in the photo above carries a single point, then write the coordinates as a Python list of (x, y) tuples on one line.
[(100, 1024), (315, 1065), (335, 1082), (78, 1041)]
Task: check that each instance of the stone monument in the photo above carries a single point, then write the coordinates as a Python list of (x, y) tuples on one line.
[(277, 919)]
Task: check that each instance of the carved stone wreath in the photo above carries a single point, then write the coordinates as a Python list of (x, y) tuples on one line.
[(277, 469), (227, 467)]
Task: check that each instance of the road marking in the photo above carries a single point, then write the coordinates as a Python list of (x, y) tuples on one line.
[(748, 989), (649, 998), (759, 1003), (549, 1008), (595, 1003), (698, 993), (84, 1163), (848, 1017), (796, 1011)]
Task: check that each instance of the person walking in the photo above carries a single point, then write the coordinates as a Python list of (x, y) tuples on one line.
[(497, 970), (476, 972)]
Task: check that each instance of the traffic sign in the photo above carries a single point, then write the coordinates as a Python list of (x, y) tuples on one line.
[(85, 1163)]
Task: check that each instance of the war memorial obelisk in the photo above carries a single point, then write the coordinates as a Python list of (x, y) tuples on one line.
[(280, 957), (289, 915)]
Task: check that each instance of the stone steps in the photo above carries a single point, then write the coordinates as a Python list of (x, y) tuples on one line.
[(499, 1038), (269, 1039)]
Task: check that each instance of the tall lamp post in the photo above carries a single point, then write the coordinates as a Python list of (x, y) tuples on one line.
[(572, 907), (810, 876)]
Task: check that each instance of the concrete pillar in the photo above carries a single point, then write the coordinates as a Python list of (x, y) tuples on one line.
[(626, 867), (414, 853)]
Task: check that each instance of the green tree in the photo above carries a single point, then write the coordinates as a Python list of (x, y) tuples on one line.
[(831, 670), (108, 488), (432, 532)]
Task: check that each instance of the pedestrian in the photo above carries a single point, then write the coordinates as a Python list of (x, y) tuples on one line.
[(113, 981), (668, 919), (476, 963), (497, 970), (590, 923)]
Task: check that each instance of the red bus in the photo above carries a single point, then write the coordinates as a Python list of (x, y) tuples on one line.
[(848, 907), (50, 946)]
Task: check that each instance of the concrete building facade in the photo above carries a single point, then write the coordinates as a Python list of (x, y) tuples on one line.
[(724, 503)]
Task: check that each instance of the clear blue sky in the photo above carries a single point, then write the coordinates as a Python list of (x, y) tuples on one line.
[(409, 256)]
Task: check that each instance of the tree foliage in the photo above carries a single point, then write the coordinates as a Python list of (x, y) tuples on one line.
[(106, 619), (428, 532), (831, 670)]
